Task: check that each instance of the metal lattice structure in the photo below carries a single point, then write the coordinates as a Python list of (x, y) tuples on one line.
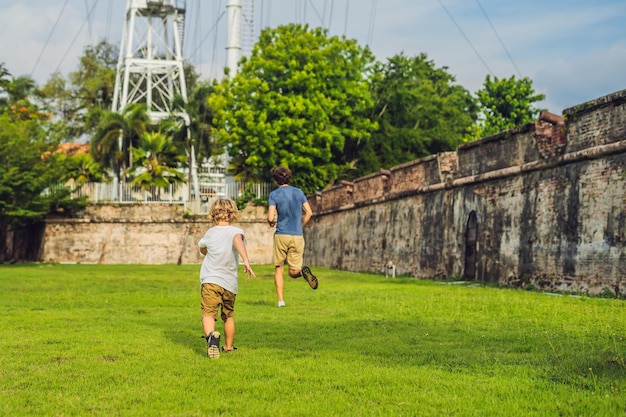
[(248, 32), (150, 66)]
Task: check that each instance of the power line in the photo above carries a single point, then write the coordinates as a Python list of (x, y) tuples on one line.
[(89, 37), (498, 36), (49, 36), (330, 17), (77, 33), (317, 13), (107, 33), (196, 31), (466, 38), (345, 19), (212, 30), (370, 30)]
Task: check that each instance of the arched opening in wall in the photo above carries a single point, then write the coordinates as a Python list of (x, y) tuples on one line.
[(471, 233)]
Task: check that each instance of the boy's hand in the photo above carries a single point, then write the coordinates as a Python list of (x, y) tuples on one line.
[(248, 270)]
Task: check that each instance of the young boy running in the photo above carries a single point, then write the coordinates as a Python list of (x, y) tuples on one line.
[(218, 274)]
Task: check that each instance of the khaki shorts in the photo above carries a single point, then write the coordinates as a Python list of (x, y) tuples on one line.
[(288, 248), (212, 297)]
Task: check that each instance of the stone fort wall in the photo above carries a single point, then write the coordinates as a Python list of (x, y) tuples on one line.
[(143, 234), (540, 205)]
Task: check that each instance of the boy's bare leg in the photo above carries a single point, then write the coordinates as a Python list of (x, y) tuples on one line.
[(278, 281), (208, 324), (295, 272), (229, 333)]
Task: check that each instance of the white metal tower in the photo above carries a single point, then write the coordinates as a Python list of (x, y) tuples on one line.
[(248, 33), (150, 66), (240, 31), (233, 39)]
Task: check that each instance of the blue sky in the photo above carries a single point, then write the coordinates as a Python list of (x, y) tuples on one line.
[(573, 51)]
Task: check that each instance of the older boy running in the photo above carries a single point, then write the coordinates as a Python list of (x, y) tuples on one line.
[(289, 211)]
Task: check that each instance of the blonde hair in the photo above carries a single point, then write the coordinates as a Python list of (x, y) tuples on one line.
[(223, 210)]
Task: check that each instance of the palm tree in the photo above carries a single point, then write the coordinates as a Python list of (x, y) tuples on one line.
[(156, 160), (192, 125), (116, 135), (16, 88), (82, 168)]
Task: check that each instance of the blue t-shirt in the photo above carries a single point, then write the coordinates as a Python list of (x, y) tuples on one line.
[(288, 201)]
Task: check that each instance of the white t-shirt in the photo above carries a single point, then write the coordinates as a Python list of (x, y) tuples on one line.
[(221, 263)]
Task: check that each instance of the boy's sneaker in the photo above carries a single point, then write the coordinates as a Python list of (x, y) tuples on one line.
[(213, 345), (309, 277), (281, 304)]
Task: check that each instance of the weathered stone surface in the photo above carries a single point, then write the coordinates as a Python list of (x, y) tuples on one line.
[(542, 205), (548, 203), (143, 234)]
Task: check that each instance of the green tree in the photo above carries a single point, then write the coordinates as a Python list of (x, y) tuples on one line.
[(298, 101), (419, 110), (201, 130), (155, 163), (16, 89), (116, 136), (82, 168), (504, 104), (85, 97), (29, 172), (192, 124)]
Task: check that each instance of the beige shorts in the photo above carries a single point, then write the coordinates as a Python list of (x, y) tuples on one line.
[(214, 296), (288, 248)]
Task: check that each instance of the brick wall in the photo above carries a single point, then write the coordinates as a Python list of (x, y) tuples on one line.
[(549, 200)]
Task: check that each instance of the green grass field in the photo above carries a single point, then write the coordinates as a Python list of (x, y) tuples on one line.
[(125, 340)]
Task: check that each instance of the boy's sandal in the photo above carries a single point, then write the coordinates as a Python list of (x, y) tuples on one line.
[(228, 350)]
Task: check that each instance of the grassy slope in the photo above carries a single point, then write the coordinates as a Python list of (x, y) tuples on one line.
[(125, 340)]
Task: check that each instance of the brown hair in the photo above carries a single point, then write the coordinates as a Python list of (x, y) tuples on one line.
[(281, 175), (223, 210)]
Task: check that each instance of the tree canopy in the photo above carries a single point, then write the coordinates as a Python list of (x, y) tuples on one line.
[(506, 103), (116, 136), (30, 165), (82, 99), (155, 162), (299, 99), (419, 110)]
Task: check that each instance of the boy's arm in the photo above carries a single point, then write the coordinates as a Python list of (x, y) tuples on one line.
[(307, 213), (241, 248), (271, 216), (202, 246)]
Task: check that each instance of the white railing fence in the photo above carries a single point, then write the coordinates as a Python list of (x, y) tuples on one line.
[(123, 193)]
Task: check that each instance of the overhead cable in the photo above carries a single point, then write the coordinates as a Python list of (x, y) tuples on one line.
[(76, 37), (370, 31), (466, 38), (500, 40), (345, 19), (49, 36)]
